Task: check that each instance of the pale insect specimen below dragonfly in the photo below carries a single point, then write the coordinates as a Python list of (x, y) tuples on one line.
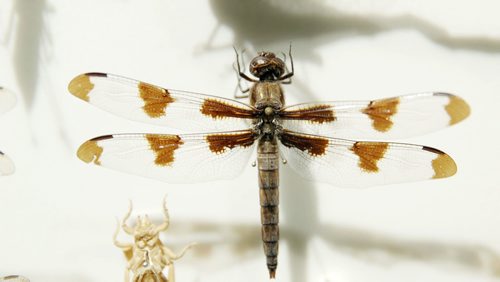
[(147, 257), (308, 136), (14, 278), (7, 102)]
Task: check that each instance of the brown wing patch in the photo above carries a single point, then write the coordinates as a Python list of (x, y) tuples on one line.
[(443, 165), (457, 109), (369, 154), (156, 99), (314, 145), (80, 87), (381, 111), (315, 114), (91, 151), (219, 143), (219, 109), (164, 147)]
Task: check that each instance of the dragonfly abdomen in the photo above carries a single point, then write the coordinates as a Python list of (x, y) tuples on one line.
[(268, 164)]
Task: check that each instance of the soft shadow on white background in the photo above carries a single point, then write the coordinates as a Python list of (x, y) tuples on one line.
[(58, 214)]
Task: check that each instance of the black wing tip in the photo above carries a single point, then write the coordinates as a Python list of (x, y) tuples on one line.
[(103, 137), (98, 74), (433, 150)]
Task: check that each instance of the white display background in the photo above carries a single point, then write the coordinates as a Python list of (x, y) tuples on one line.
[(57, 214)]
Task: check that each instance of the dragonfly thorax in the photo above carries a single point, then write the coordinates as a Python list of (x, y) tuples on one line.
[(268, 130), (267, 94)]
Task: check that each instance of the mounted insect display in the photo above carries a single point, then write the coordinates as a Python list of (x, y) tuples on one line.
[(308, 137), (7, 102), (147, 256)]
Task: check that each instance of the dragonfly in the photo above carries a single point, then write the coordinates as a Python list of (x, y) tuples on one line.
[(319, 140), (14, 278), (7, 102)]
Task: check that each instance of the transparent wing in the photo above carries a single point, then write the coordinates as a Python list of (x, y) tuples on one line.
[(6, 165), (7, 100), (397, 117), (359, 164), (173, 158), (152, 104)]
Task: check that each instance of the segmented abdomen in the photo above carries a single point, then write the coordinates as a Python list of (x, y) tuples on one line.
[(268, 164)]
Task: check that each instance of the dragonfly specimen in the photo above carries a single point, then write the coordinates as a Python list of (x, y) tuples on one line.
[(7, 102), (309, 137)]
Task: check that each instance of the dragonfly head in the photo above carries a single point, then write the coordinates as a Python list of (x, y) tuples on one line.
[(266, 66)]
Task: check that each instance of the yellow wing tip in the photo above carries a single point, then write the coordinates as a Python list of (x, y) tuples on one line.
[(90, 151), (444, 166), (457, 109), (80, 87)]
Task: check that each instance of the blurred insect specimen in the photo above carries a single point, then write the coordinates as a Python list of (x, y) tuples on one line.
[(147, 257), (6, 165), (309, 136), (14, 278), (7, 102)]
